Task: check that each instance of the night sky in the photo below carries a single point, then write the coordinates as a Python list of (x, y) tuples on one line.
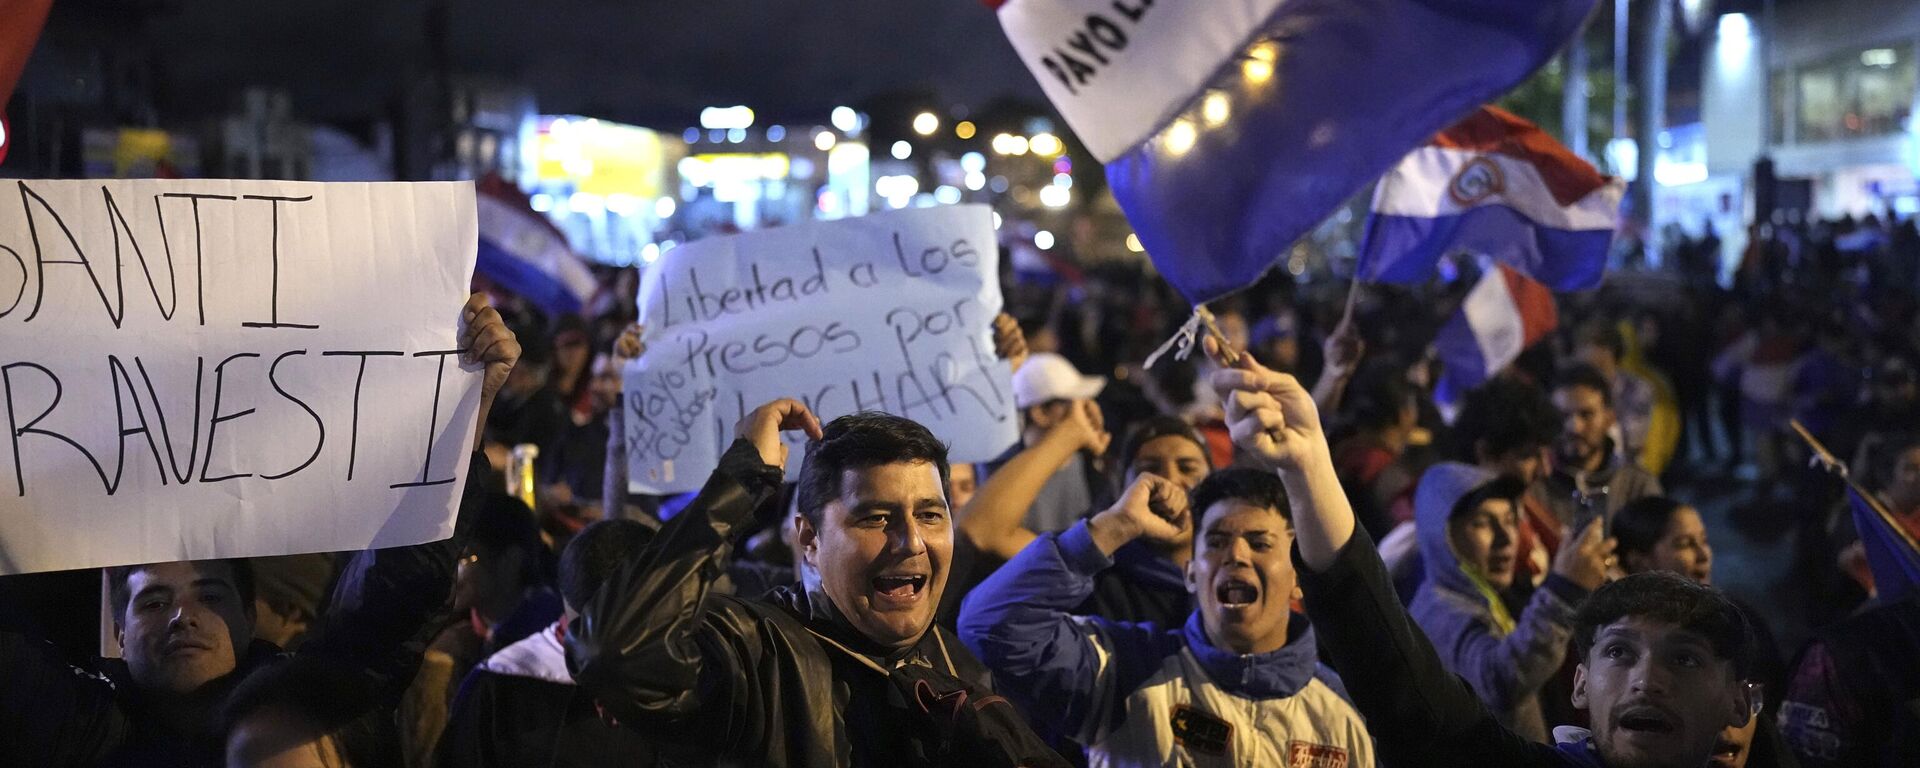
[(644, 61)]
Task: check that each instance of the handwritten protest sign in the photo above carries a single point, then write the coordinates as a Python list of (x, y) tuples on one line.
[(196, 369), (890, 312)]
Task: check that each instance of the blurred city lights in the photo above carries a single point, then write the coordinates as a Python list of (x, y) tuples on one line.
[(1046, 144), (1257, 71), (824, 140), (1133, 244), (997, 221), (1055, 196), (946, 195), (691, 135), (1063, 165), (542, 202), (926, 123), (964, 130), (650, 253), (1215, 109), (1043, 240), (902, 150), (736, 135), (976, 180), (1180, 137), (973, 162), (726, 117), (845, 119), (1010, 144), (998, 184), (585, 203), (663, 208), (1063, 180), (777, 133)]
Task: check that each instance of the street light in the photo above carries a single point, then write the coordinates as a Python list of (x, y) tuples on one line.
[(964, 130), (926, 123), (1045, 144), (902, 150), (824, 140)]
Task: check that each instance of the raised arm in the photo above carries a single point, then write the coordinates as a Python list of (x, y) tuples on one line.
[(1342, 353), (613, 486), (1424, 716), (383, 610), (1065, 670), (993, 519), (637, 646)]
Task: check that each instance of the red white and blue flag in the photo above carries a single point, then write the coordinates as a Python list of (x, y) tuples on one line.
[(1492, 185), (522, 251), (1229, 128), (1503, 315)]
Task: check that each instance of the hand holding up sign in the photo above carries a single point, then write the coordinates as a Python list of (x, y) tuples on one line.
[(1153, 508), (763, 426), (1009, 342), (484, 336)]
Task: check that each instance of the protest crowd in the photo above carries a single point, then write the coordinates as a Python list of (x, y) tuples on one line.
[(1637, 510), (1125, 577)]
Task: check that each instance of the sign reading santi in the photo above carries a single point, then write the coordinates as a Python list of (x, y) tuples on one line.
[(203, 369)]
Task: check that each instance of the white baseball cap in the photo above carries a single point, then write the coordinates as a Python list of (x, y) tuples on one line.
[(1047, 376)]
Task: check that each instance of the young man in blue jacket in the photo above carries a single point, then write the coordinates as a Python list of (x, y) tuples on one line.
[(1662, 659), (1235, 685)]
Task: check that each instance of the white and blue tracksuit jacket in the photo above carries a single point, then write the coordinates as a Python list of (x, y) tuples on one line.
[(1138, 694)]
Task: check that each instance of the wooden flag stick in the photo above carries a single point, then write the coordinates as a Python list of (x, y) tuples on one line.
[(1833, 464)]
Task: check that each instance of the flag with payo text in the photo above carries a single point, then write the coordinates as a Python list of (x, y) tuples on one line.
[(1231, 127)]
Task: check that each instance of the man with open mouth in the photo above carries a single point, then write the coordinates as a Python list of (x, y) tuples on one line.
[(850, 671), (1239, 683), (1663, 660)]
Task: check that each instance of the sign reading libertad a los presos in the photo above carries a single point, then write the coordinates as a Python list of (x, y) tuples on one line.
[(197, 369), (890, 312)]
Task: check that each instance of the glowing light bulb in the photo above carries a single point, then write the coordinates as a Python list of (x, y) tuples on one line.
[(1180, 137)]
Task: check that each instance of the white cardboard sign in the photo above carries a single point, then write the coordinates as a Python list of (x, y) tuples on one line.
[(214, 368), (891, 312)]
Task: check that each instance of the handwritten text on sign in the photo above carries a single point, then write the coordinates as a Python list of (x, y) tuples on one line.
[(195, 369), (891, 312)]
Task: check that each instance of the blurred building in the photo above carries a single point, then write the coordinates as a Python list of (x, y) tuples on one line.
[(1829, 99)]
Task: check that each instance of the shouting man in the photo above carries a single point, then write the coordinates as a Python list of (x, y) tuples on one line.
[(851, 672)]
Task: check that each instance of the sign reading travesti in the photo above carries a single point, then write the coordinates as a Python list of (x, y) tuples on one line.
[(891, 312), (201, 369)]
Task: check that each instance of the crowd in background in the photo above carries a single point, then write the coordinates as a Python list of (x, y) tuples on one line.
[(1660, 406)]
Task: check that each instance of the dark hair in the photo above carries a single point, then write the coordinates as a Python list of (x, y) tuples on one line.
[(1605, 335), (1154, 428), (862, 440), (1672, 599), (240, 569), (1251, 486), (1505, 487), (1504, 415), (1640, 524), (595, 553), (1583, 375), (501, 523), (336, 701), (1377, 403)]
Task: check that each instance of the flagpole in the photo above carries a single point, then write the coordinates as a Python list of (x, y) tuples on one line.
[(1832, 464)]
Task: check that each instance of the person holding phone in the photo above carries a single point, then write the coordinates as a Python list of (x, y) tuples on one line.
[(1468, 522)]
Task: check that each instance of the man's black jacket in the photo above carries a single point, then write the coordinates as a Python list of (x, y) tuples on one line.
[(780, 682)]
